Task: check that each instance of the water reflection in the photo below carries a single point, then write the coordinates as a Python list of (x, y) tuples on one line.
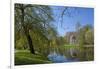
[(58, 58)]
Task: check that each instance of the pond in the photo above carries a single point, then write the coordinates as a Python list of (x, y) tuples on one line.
[(58, 58)]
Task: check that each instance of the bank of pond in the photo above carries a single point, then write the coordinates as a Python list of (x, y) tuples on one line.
[(61, 55)]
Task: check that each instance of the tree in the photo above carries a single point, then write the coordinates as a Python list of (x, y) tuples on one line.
[(89, 34), (30, 17), (86, 35)]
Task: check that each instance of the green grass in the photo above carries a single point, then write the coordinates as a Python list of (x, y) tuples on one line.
[(24, 57)]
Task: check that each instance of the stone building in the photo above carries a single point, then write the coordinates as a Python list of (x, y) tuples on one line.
[(71, 37)]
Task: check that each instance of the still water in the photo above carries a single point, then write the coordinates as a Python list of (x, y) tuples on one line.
[(58, 58)]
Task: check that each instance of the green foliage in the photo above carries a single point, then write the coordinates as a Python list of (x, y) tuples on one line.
[(86, 35), (89, 37), (21, 43), (33, 21)]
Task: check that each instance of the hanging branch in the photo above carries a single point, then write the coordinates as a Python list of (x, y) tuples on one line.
[(67, 12)]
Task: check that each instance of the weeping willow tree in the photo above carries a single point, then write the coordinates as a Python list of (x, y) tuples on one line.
[(34, 22), (32, 19)]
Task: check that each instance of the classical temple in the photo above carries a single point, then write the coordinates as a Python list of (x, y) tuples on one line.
[(71, 37)]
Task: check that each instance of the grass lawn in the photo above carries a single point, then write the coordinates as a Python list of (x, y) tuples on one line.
[(24, 57)]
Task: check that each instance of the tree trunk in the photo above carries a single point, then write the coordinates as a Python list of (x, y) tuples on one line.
[(26, 31), (30, 44)]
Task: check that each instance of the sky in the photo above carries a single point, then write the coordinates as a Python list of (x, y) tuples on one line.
[(80, 15)]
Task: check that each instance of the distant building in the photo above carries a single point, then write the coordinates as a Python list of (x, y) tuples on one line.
[(71, 37)]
